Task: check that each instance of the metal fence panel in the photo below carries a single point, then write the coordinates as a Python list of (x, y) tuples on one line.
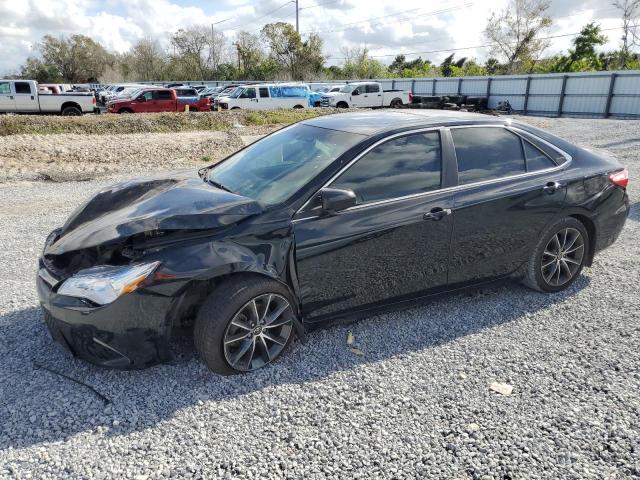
[(583, 94), (544, 104), (476, 87)]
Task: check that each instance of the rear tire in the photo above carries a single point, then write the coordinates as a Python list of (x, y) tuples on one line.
[(559, 256), (225, 325), (125, 110), (396, 103), (71, 112)]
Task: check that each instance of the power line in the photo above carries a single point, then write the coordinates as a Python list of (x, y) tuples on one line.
[(320, 4), (488, 45), (244, 24), (433, 40), (428, 14)]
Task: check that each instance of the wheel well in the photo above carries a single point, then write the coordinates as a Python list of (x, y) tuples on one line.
[(342, 104), (70, 104), (591, 230), (186, 306), (127, 110)]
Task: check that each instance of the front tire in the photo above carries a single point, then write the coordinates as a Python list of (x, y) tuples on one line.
[(558, 257), (245, 324)]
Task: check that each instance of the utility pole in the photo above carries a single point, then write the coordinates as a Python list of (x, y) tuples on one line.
[(297, 22)]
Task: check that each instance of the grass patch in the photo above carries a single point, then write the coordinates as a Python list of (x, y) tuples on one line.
[(110, 124)]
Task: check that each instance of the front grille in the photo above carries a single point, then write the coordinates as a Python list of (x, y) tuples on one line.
[(324, 101)]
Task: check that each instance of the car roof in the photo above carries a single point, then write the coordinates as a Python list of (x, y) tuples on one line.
[(370, 122)]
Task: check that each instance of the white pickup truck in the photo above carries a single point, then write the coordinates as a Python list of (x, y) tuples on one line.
[(21, 96), (365, 94)]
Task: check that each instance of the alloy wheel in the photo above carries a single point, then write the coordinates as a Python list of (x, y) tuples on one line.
[(258, 332), (562, 257)]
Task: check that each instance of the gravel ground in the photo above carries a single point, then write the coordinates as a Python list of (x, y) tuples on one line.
[(417, 404), (69, 157)]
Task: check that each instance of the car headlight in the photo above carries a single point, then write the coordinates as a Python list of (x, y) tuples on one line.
[(104, 284)]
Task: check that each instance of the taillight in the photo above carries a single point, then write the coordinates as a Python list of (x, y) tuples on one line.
[(620, 179), (93, 99), (410, 97)]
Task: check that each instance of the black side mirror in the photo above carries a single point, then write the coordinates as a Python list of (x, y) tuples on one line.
[(142, 99), (355, 92), (335, 200)]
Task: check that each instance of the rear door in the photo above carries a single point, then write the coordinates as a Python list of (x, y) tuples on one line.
[(163, 101), (25, 97), (393, 245), (502, 204), (7, 100)]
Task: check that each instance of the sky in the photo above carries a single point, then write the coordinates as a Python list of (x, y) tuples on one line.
[(431, 29)]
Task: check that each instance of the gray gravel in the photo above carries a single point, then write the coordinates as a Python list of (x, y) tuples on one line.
[(417, 404)]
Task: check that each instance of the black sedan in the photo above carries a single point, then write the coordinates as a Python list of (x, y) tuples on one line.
[(333, 217)]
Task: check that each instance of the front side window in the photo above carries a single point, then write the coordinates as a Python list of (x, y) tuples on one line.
[(276, 167), (403, 166), (248, 93), (264, 92), (23, 87), (147, 96), (487, 153)]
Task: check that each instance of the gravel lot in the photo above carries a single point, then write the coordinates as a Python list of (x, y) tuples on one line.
[(72, 157), (417, 404)]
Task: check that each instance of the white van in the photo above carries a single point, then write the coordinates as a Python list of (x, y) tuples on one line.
[(266, 97)]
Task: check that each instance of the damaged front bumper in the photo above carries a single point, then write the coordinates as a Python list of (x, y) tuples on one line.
[(131, 332)]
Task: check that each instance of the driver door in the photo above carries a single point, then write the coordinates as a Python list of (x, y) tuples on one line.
[(359, 96), (392, 246), (248, 99), (148, 104)]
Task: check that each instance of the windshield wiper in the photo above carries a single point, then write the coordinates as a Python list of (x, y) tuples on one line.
[(211, 181)]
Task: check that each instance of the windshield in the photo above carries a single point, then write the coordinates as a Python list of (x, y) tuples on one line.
[(347, 89), (274, 168)]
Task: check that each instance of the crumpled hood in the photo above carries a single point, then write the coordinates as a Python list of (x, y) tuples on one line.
[(178, 202)]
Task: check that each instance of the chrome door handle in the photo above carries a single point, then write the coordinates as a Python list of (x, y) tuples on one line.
[(551, 187), (437, 213)]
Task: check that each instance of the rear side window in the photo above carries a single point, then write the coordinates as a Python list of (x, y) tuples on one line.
[(162, 95), (373, 88), (402, 166), (5, 88), (536, 160), (487, 154), (264, 92), (23, 87)]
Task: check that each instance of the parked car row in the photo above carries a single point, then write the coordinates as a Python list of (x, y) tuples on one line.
[(25, 96)]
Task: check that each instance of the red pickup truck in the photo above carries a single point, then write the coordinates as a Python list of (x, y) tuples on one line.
[(157, 100)]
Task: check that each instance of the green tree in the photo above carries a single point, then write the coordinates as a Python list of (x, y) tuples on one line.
[(36, 69), (147, 60), (359, 65), (515, 33), (298, 58), (75, 59), (190, 48), (583, 56)]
